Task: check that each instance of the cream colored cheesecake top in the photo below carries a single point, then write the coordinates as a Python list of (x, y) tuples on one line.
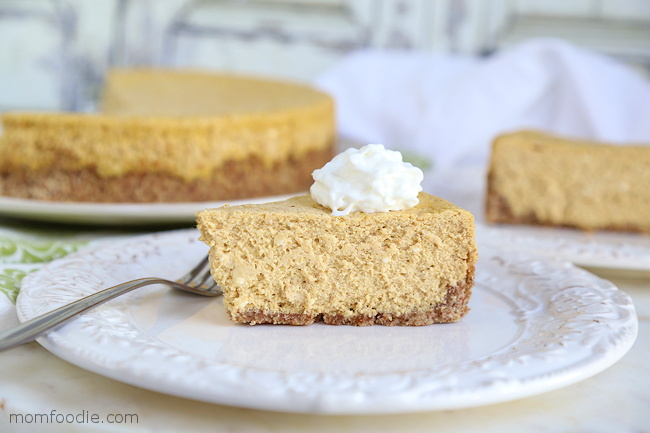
[(294, 256), (571, 182), (183, 123)]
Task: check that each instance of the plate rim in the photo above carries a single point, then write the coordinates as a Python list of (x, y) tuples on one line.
[(592, 249), (117, 213)]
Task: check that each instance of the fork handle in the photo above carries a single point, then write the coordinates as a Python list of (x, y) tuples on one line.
[(31, 329)]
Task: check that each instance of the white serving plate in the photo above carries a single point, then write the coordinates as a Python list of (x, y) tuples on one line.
[(535, 325)]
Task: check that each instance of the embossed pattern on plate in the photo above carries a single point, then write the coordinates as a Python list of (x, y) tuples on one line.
[(608, 250), (535, 325)]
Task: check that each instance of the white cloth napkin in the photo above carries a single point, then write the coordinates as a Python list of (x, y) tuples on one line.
[(449, 108)]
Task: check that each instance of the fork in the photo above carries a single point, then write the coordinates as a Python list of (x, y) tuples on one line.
[(197, 281)]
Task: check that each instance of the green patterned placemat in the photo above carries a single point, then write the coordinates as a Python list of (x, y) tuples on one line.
[(23, 252)]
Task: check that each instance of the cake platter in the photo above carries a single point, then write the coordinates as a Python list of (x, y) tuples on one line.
[(114, 214), (535, 325)]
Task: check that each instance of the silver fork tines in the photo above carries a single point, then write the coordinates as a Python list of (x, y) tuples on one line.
[(197, 281)]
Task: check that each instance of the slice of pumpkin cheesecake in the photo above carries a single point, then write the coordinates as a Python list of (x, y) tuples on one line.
[(294, 263)]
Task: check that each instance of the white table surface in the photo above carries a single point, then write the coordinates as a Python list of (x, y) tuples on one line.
[(33, 381)]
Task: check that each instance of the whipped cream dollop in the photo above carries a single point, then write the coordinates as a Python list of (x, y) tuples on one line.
[(370, 179)]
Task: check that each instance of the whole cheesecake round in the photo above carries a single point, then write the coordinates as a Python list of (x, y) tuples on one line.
[(172, 136)]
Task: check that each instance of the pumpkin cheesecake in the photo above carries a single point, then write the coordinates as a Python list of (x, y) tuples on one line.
[(297, 262), (169, 136), (536, 178)]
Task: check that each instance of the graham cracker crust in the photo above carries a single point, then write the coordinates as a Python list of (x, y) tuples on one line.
[(497, 209), (452, 309), (234, 180)]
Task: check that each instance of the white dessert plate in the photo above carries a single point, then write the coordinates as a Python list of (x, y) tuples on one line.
[(535, 325), (114, 213), (603, 249)]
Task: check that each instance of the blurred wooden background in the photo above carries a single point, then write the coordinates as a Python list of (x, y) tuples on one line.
[(54, 53)]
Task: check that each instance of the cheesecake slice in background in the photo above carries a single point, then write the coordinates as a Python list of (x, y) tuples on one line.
[(536, 178)]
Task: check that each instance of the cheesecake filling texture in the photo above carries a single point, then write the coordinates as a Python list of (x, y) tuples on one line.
[(371, 179), (291, 262)]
